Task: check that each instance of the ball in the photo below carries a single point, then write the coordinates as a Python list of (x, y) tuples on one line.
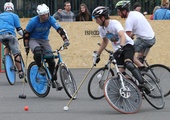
[(26, 108), (65, 108)]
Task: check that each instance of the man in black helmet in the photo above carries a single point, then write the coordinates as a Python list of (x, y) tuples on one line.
[(112, 30)]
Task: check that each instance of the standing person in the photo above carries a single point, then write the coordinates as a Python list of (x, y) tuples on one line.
[(136, 24), (155, 8), (137, 7), (65, 15), (112, 30), (163, 13), (36, 35), (84, 14), (10, 21)]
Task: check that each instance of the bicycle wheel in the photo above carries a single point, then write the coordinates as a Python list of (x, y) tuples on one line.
[(162, 75), (96, 82), (39, 84), (125, 101), (68, 81), (155, 98), (10, 69)]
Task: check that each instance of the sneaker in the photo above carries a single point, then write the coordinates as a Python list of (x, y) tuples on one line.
[(21, 75), (57, 85), (143, 68), (144, 87), (41, 71)]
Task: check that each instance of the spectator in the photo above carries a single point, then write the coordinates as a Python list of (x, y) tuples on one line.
[(155, 8), (65, 15), (163, 13), (10, 21), (137, 7), (84, 14)]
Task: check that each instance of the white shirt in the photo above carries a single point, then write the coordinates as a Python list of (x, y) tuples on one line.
[(138, 24), (111, 32)]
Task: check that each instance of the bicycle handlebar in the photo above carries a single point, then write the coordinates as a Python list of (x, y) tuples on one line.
[(109, 51)]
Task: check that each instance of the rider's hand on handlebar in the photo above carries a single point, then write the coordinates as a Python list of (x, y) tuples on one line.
[(118, 52), (66, 43), (96, 58)]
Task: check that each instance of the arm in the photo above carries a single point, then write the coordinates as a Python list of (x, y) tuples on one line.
[(122, 38), (103, 45), (129, 33)]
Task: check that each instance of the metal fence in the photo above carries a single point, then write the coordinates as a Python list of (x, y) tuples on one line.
[(27, 8)]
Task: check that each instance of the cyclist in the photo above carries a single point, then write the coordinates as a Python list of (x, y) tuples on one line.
[(36, 36), (136, 24), (112, 30), (10, 21)]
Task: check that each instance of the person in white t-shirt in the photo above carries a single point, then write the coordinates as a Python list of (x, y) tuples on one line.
[(112, 30), (136, 24)]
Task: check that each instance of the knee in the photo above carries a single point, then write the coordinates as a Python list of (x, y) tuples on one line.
[(129, 65)]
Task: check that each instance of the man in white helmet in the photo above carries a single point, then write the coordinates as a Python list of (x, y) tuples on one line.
[(36, 34), (10, 21)]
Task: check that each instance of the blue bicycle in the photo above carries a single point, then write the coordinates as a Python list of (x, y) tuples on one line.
[(9, 66), (40, 84)]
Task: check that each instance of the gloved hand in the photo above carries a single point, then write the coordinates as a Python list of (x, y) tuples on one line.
[(66, 43), (118, 52), (96, 58), (27, 48)]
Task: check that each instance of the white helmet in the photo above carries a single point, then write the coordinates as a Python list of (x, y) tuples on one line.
[(42, 9), (8, 6)]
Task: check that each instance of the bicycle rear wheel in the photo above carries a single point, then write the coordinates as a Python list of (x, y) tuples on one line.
[(125, 101), (155, 98), (162, 75), (39, 84), (96, 82), (68, 81), (10, 69)]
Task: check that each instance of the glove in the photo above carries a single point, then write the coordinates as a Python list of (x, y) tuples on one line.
[(118, 52), (96, 58), (66, 43), (27, 48)]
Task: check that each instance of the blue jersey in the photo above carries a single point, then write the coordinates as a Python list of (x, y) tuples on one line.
[(8, 22), (162, 14), (39, 30)]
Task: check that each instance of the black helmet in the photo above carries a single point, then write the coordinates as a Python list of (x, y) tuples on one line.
[(123, 5), (100, 11)]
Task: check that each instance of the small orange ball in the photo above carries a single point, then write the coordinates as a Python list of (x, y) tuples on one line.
[(26, 108)]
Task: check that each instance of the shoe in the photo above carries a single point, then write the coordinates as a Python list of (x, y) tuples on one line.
[(144, 87), (57, 85), (41, 71), (143, 68), (21, 75)]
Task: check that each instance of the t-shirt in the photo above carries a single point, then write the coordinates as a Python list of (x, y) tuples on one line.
[(111, 32), (162, 14), (8, 22), (40, 30), (138, 24)]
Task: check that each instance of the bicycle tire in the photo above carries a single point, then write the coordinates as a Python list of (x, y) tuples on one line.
[(39, 84), (95, 88), (124, 103), (155, 98), (68, 81), (162, 73), (10, 69)]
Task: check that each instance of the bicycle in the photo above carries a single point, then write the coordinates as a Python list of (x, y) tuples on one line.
[(40, 84), (159, 72), (114, 86), (9, 66)]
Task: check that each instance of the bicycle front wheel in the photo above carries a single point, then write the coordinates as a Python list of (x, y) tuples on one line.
[(155, 98), (68, 81), (10, 69), (162, 75), (39, 84), (126, 100), (96, 82)]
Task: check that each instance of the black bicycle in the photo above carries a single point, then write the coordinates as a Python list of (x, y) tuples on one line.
[(40, 84)]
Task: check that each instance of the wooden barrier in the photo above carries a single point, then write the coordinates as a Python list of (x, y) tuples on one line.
[(84, 36)]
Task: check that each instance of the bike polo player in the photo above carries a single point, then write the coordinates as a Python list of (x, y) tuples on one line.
[(36, 36)]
